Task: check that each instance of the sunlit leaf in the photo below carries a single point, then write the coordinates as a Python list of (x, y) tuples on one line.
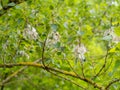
[(117, 31)]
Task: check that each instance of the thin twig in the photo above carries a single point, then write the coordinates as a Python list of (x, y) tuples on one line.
[(104, 13), (104, 65), (107, 67), (81, 62), (16, 50), (68, 80), (2, 86), (82, 68), (112, 82), (72, 68), (43, 50)]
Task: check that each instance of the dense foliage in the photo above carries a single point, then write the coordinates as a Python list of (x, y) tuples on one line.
[(60, 44)]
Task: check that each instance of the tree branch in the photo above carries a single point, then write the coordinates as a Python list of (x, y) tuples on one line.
[(72, 74), (7, 79)]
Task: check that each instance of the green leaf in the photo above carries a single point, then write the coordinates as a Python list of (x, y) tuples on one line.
[(0, 6), (57, 45), (112, 50), (4, 2), (107, 38), (20, 20), (80, 33), (54, 27), (51, 7), (11, 4), (18, 7), (117, 30), (117, 64), (58, 53)]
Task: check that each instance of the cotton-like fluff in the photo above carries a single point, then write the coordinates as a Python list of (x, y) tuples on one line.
[(23, 53), (53, 38), (114, 37), (79, 51), (30, 33)]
